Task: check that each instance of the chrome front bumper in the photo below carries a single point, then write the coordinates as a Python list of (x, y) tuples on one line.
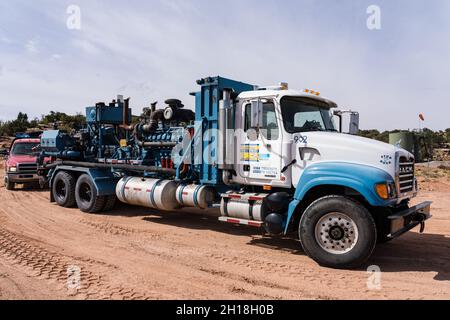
[(405, 220)]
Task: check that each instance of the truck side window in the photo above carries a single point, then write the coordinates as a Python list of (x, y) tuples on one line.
[(248, 113), (269, 129)]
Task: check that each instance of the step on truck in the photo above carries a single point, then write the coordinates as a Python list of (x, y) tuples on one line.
[(266, 157)]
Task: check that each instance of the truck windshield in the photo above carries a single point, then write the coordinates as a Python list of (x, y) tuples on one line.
[(305, 114), (22, 149)]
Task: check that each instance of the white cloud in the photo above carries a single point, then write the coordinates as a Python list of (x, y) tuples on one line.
[(5, 39), (31, 46), (86, 46)]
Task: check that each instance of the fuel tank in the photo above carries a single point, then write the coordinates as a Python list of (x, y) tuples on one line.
[(194, 195), (151, 193)]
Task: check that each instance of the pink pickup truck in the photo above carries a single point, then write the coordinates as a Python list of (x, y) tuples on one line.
[(21, 166)]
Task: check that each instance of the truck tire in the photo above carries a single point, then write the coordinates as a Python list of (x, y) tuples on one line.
[(86, 195), (63, 189), (337, 232), (110, 202), (9, 185)]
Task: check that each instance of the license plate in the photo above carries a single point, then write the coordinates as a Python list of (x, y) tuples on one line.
[(397, 224)]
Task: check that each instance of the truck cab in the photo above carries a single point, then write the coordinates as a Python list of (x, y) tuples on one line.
[(281, 133), (20, 164), (270, 125), (340, 192)]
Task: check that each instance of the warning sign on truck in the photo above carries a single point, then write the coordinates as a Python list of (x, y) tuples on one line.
[(250, 152)]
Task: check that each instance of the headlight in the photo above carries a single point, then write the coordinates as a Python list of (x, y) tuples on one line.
[(12, 169), (386, 190)]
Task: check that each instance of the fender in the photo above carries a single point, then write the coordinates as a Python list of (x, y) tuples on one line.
[(359, 177), (104, 180)]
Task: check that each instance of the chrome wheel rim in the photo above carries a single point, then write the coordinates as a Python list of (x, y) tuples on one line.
[(336, 233)]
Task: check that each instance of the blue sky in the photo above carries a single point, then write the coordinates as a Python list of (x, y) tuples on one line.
[(153, 50)]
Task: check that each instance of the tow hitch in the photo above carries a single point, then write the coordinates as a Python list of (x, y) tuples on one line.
[(420, 217), (406, 220)]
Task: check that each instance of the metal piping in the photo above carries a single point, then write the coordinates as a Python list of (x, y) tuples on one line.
[(158, 144), (126, 111), (111, 166), (226, 142)]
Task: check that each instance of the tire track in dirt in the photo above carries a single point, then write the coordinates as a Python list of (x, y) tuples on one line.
[(47, 265), (247, 281), (26, 208), (236, 281), (257, 264), (292, 272), (118, 230), (105, 227)]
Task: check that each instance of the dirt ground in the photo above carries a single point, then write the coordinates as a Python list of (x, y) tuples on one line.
[(136, 253)]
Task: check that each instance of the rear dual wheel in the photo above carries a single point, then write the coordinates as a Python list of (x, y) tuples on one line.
[(87, 197), (69, 191), (63, 189)]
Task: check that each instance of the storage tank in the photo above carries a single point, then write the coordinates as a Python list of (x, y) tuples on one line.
[(194, 195), (244, 209), (151, 193), (406, 140)]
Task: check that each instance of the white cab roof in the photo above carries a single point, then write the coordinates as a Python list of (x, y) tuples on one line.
[(246, 95)]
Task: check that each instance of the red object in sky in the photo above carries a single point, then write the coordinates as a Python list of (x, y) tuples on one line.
[(422, 117)]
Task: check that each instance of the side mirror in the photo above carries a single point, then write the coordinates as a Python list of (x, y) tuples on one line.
[(354, 123), (257, 114)]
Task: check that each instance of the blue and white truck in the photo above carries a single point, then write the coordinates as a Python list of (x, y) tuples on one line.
[(267, 157)]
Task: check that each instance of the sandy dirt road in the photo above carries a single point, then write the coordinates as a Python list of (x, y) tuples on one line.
[(136, 253)]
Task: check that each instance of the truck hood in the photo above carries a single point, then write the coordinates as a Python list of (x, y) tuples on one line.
[(332, 146), (13, 159)]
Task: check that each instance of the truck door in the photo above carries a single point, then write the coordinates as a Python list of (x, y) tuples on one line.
[(259, 151)]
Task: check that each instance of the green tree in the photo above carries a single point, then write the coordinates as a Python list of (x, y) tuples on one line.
[(20, 124), (375, 134), (64, 121)]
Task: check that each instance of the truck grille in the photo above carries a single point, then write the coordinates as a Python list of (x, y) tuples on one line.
[(406, 175), (27, 168)]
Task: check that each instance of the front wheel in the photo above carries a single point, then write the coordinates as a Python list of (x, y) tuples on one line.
[(337, 232), (9, 185)]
